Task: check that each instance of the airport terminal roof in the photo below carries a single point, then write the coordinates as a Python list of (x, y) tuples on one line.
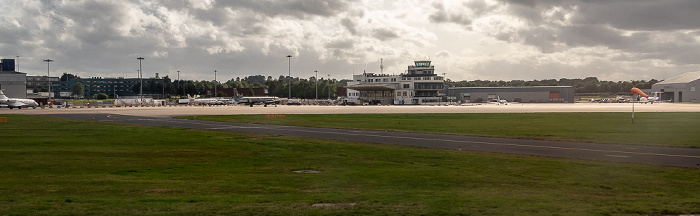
[(374, 87), (683, 78)]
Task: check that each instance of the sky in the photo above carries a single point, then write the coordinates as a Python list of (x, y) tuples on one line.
[(466, 40)]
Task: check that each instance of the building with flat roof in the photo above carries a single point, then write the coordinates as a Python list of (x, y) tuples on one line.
[(681, 88), (14, 84), (113, 87), (40, 82), (419, 85), (524, 94)]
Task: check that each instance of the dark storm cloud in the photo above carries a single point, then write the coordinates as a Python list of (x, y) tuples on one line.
[(644, 15), (349, 25), (384, 34), (479, 7), (341, 44), (295, 8), (97, 22), (443, 15), (642, 27)]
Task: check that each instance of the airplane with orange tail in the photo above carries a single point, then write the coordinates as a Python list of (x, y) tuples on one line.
[(644, 98)]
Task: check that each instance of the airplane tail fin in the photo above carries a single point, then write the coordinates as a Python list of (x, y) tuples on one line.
[(2, 95)]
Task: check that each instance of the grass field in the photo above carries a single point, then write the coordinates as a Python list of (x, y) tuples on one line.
[(661, 129), (65, 167)]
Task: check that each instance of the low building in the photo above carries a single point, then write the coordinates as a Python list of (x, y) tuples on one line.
[(524, 94), (14, 84), (113, 87), (421, 85), (40, 82), (681, 88)]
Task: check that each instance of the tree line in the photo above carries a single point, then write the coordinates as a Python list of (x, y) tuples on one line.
[(301, 88), (306, 88), (586, 85)]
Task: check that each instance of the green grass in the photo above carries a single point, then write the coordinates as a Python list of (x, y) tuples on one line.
[(52, 166), (661, 129)]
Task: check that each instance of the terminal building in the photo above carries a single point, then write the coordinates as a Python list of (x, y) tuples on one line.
[(681, 88), (420, 85)]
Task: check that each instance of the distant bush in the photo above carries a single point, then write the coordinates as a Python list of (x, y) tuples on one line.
[(101, 96)]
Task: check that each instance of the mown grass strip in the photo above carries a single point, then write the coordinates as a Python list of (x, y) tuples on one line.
[(58, 167)]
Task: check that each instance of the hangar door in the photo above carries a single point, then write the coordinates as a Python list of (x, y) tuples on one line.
[(554, 96)]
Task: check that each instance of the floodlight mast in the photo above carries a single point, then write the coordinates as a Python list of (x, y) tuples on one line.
[(48, 74), (140, 80), (290, 77)]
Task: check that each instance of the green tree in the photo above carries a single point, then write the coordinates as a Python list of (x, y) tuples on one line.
[(101, 96), (67, 76), (78, 89)]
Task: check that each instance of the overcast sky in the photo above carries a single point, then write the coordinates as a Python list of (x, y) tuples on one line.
[(467, 40)]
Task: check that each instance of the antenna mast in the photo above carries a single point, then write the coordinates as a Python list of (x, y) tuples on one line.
[(381, 65)]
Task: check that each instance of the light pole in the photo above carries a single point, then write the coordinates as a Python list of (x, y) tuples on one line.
[(140, 79), (48, 73), (178, 81), (316, 83), (215, 91), (290, 77), (329, 86), (138, 73)]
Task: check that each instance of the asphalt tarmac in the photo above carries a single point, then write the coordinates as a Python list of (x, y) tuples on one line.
[(668, 156)]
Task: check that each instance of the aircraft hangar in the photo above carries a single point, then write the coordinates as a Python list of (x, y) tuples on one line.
[(681, 88), (14, 83), (525, 94)]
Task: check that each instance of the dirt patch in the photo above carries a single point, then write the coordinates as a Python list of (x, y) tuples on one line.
[(306, 171), (332, 204)]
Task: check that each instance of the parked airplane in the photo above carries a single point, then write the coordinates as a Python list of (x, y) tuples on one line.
[(498, 101), (16, 102), (259, 100), (644, 98), (204, 101), (252, 100)]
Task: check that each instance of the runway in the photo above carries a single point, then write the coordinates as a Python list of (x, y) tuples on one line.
[(161, 116), (483, 108), (680, 157)]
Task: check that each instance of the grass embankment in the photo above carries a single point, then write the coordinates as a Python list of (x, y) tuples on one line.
[(661, 129), (57, 167)]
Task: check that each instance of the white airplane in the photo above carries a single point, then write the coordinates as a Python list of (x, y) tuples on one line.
[(644, 98), (16, 102), (499, 101), (203, 101)]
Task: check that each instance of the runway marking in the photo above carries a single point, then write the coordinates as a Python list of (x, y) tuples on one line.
[(620, 156), (507, 144), (293, 128)]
